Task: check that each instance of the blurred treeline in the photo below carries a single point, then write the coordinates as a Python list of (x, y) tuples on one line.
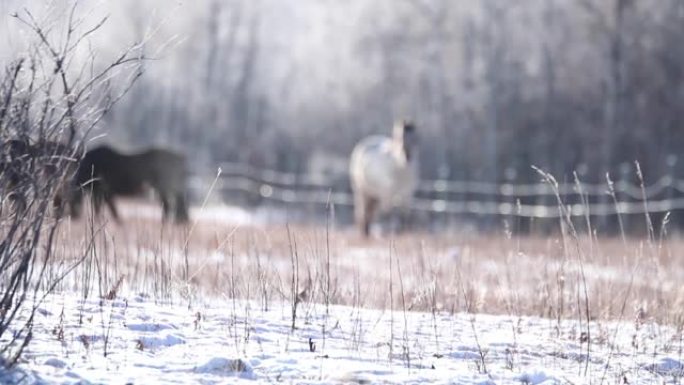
[(494, 85)]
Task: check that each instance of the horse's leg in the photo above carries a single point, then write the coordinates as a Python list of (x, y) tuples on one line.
[(75, 202), (109, 198), (359, 210), (370, 205), (17, 194), (166, 205), (97, 198), (58, 205), (18, 201), (181, 208), (405, 219)]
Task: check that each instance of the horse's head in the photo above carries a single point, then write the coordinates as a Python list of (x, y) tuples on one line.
[(60, 162), (406, 137)]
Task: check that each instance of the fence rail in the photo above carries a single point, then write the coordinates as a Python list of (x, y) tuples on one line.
[(436, 196)]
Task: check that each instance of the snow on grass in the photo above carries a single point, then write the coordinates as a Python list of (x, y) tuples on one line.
[(239, 342), (134, 209), (136, 340)]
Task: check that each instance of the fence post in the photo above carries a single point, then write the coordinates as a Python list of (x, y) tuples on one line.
[(582, 170), (443, 173), (671, 162), (515, 221), (625, 171)]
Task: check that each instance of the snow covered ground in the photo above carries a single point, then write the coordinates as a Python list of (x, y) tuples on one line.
[(226, 341), (132, 210), (213, 339)]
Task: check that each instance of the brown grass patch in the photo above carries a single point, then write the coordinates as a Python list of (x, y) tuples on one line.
[(452, 272)]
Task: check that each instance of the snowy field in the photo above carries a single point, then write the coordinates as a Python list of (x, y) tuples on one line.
[(163, 329), (232, 341)]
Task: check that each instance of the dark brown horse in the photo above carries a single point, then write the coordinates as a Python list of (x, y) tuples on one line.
[(105, 173)]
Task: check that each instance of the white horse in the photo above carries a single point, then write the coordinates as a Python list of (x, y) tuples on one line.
[(384, 173)]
